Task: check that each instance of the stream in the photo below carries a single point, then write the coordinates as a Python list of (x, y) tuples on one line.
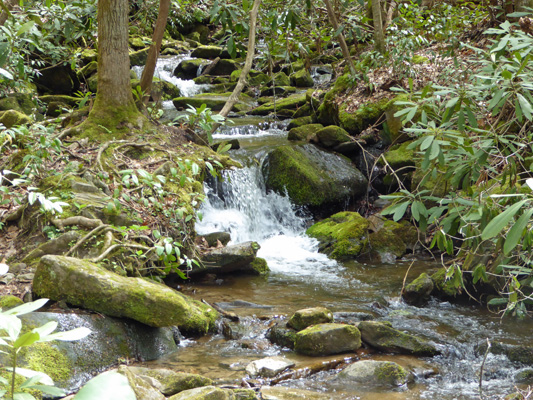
[(301, 277)]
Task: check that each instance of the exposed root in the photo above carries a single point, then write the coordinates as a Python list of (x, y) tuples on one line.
[(78, 220), (118, 246)]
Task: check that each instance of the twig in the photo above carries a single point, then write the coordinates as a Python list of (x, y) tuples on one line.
[(117, 246), (229, 315), (86, 237), (481, 370), (405, 277)]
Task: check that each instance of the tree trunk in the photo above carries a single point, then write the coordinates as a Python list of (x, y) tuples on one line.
[(379, 38), (153, 52), (114, 106), (340, 36), (247, 64), (6, 7)]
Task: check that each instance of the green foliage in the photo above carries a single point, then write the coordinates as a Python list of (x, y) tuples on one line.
[(482, 161), (14, 340), (202, 120)]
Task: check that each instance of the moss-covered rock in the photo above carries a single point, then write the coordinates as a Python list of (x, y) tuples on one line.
[(328, 112), (342, 236), (85, 284), (391, 240), (304, 132), (9, 301), (204, 393), (290, 103), (418, 291), (364, 116), (282, 335), (375, 373), (213, 101), (255, 78), (139, 57), (301, 78), (312, 177), (88, 55), (399, 156), (281, 79), (188, 69), (297, 122), (11, 118), (237, 257), (301, 319), (209, 52), (21, 102), (516, 353), (444, 287), (385, 338), (277, 91), (331, 136), (326, 339), (173, 382), (225, 67), (259, 266)]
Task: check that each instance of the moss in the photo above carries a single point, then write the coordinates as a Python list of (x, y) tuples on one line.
[(302, 319), (387, 240), (343, 235), (43, 357), (297, 122), (260, 266), (290, 103), (139, 57), (391, 372), (210, 52), (302, 78), (399, 156), (417, 59), (325, 339), (9, 301), (11, 118), (332, 136), (366, 115), (444, 286), (304, 132)]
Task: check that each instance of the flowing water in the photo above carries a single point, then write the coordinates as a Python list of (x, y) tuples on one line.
[(301, 277)]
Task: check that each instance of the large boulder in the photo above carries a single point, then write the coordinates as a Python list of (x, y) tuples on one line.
[(385, 338), (290, 103), (170, 382), (302, 78), (268, 367), (390, 240), (305, 132), (213, 101), (188, 69), (209, 52), (344, 235), (139, 57), (11, 118), (86, 285), (326, 339), (301, 319), (373, 373), (21, 102), (418, 291), (356, 121), (313, 177), (237, 257), (58, 79), (332, 136)]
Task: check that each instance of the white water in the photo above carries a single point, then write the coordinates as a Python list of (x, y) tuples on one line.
[(164, 70), (245, 210)]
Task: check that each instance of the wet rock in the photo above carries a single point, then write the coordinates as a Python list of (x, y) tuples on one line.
[(304, 132), (282, 335), (342, 236), (524, 376), (188, 69), (268, 367), (85, 284), (210, 52), (313, 177), (213, 101), (352, 317), (517, 353), (172, 382), (292, 102), (213, 238), (332, 136), (444, 287), (238, 257), (142, 387), (375, 373), (204, 393), (11, 118), (383, 337), (390, 240), (259, 266), (326, 339), (302, 78), (301, 319), (418, 291), (285, 393), (139, 57)]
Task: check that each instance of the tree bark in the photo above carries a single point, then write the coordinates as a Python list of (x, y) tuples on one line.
[(247, 64), (6, 7), (379, 38), (114, 105), (153, 52), (340, 36)]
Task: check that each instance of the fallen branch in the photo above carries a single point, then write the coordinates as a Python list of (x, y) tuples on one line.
[(87, 237), (229, 315), (118, 246)]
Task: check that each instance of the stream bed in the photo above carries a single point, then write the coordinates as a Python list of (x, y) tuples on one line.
[(301, 277)]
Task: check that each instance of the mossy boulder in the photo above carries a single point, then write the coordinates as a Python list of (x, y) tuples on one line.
[(326, 339), (9, 301), (225, 67), (204, 393), (164, 90), (312, 177), (516, 353), (21, 102), (364, 116), (342, 236), (88, 70), (173, 382), (302, 319), (328, 112), (373, 373), (237, 257), (255, 78), (289, 103), (139, 57), (282, 335), (188, 69), (444, 287), (392, 239), (304, 132), (209, 52), (258, 266), (88, 55), (11, 118), (297, 122), (385, 338), (418, 291), (87, 285), (399, 156), (213, 101), (278, 91), (331, 136), (281, 79), (302, 78), (58, 79)]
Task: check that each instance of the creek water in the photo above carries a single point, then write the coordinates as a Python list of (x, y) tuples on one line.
[(301, 277)]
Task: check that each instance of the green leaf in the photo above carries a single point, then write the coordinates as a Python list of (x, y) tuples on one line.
[(11, 325), (499, 222), (400, 212), (51, 390), (28, 373), (527, 110), (6, 74), (23, 396), (478, 273), (25, 27), (109, 385), (67, 336), (27, 307), (515, 233), (497, 301), (27, 339)]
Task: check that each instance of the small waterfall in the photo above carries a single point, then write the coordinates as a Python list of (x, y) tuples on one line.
[(242, 206), (164, 70)]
